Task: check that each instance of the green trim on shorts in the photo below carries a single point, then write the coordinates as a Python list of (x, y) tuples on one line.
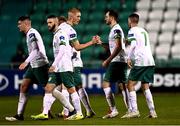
[(37, 75), (77, 76), (116, 72), (142, 73)]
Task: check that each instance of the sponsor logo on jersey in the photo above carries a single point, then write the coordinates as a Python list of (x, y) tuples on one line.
[(32, 35), (130, 35), (72, 35), (62, 38), (117, 31)]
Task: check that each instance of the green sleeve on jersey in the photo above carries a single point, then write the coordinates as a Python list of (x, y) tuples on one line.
[(131, 39), (73, 40), (62, 43), (117, 33), (117, 36)]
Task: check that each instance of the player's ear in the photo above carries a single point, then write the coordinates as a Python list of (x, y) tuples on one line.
[(56, 20)]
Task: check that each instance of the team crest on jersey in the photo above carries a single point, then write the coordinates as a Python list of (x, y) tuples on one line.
[(72, 35), (62, 38)]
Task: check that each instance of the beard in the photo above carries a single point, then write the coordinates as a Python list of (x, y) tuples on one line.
[(51, 29)]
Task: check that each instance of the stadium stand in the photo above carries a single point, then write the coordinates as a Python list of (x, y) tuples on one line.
[(9, 35), (160, 17)]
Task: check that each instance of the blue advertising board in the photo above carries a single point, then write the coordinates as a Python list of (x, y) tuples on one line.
[(164, 80), (10, 81)]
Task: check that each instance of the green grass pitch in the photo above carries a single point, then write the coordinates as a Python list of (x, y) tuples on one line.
[(167, 107)]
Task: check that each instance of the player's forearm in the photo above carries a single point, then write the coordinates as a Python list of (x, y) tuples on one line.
[(83, 46), (105, 46), (117, 49), (115, 53), (31, 56)]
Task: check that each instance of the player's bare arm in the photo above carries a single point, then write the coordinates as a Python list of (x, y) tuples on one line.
[(78, 46), (115, 52)]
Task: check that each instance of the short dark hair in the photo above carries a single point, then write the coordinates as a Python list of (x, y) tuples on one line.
[(25, 17), (62, 18), (113, 14), (134, 18), (51, 16)]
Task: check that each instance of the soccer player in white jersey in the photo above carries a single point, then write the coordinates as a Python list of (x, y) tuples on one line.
[(61, 72), (115, 63), (142, 67), (37, 71), (74, 16)]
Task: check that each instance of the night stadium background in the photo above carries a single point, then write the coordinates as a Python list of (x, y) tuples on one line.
[(161, 18)]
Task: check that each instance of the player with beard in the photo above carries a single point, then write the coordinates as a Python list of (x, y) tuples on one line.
[(60, 72)]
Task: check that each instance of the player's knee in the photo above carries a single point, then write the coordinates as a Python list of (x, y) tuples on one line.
[(25, 85), (71, 90), (121, 87), (145, 87), (54, 92), (48, 88), (23, 88), (105, 84), (78, 87)]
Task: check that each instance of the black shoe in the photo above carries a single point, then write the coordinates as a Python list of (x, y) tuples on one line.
[(15, 118), (72, 113), (50, 115), (19, 117)]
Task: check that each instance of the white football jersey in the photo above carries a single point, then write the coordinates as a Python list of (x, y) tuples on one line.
[(116, 32), (35, 42), (61, 45), (72, 35), (141, 49)]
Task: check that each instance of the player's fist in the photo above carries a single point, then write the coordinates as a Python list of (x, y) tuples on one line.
[(97, 40), (23, 65), (52, 69), (129, 63)]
